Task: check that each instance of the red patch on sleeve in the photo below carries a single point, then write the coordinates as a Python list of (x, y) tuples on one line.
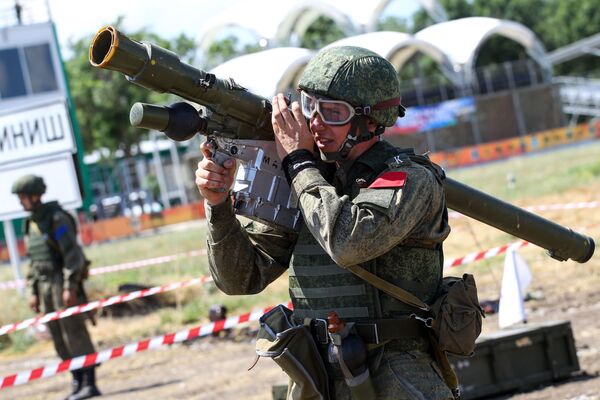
[(392, 179)]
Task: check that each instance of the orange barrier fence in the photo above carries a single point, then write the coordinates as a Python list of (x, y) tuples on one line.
[(121, 227), (514, 146), (4, 256)]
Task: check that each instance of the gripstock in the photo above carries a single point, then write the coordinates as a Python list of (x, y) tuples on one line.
[(238, 123)]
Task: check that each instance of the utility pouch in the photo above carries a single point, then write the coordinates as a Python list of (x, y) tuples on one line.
[(293, 348), (457, 316)]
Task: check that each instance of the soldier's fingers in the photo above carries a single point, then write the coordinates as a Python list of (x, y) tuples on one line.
[(209, 165), (221, 175), (210, 181), (297, 112), (281, 114), (206, 149)]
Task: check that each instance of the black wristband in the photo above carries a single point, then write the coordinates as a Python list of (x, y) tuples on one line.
[(295, 162)]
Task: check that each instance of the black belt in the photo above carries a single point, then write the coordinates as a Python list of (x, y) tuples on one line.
[(375, 331)]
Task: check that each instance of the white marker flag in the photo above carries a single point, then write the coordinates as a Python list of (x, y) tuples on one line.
[(515, 280)]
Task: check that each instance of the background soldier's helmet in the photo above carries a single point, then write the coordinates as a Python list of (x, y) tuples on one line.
[(29, 184), (357, 76)]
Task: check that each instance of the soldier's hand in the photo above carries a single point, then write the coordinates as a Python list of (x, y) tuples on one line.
[(69, 297), (290, 127), (210, 176), (34, 303)]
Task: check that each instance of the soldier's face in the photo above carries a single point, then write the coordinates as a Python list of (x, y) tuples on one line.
[(28, 201), (329, 138)]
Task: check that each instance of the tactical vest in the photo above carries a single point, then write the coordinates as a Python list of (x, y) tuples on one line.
[(41, 246), (318, 285)]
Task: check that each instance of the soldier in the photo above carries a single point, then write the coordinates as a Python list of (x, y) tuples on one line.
[(55, 277), (363, 201)]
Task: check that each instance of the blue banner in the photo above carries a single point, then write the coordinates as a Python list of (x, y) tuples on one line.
[(425, 118)]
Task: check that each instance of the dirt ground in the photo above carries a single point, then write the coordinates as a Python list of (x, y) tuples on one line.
[(213, 368)]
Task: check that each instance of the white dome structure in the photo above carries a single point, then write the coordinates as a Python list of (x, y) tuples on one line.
[(462, 38), (398, 48), (267, 72), (353, 17)]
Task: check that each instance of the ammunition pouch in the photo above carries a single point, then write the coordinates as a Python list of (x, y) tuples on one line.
[(293, 348), (457, 316)]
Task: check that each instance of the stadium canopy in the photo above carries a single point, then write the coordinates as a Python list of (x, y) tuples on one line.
[(267, 72), (398, 48), (256, 20), (462, 38)]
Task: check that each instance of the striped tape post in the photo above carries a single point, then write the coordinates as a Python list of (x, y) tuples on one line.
[(482, 255), (51, 316), (129, 349)]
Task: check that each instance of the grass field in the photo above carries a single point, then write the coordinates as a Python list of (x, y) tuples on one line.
[(561, 176)]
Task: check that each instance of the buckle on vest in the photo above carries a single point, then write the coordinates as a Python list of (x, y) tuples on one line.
[(319, 330)]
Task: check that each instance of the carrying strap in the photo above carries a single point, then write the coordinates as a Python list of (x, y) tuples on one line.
[(389, 288)]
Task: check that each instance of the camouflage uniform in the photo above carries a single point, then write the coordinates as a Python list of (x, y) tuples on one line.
[(55, 261), (392, 232)]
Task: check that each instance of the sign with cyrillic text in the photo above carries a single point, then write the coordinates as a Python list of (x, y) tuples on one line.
[(35, 132)]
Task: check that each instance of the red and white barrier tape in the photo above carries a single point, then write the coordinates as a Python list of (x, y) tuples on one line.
[(129, 349), (100, 303), (16, 284), (469, 258), (546, 207)]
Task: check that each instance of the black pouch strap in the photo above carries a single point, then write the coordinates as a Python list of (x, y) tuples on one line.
[(373, 332), (378, 331)]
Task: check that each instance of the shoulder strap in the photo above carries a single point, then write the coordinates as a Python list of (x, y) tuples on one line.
[(391, 289)]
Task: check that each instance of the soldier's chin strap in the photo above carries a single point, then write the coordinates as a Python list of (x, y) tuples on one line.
[(358, 133)]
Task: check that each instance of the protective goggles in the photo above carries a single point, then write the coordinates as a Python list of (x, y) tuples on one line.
[(332, 112)]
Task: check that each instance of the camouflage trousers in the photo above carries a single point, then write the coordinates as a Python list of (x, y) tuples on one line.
[(70, 335), (401, 375)]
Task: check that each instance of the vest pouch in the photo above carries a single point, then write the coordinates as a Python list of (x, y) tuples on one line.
[(457, 316), (293, 348)]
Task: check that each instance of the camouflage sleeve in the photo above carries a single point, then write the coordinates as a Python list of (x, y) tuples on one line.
[(32, 281), (376, 220), (244, 259), (65, 235)]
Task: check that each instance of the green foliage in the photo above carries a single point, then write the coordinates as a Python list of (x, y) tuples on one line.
[(454, 9), (394, 24), (20, 342), (226, 49), (320, 33), (103, 98)]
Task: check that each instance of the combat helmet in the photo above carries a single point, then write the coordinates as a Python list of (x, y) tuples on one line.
[(29, 184), (358, 76)]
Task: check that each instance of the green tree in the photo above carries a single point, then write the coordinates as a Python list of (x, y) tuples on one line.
[(103, 98), (226, 49), (455, 9), (566, 22), (320, 33), (392, 23)]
